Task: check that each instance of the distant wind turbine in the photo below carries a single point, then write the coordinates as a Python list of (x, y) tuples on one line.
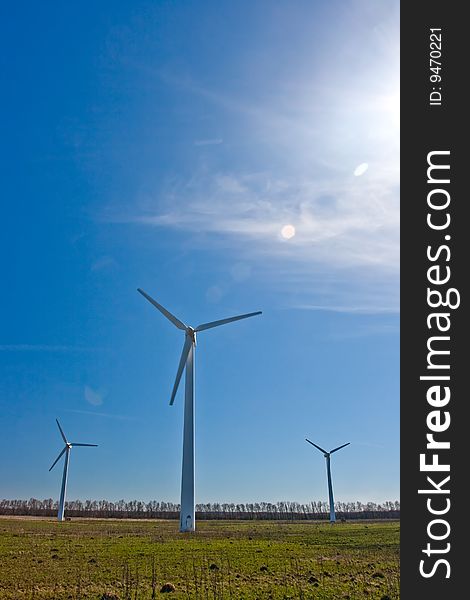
[(328, 473), (68, 446), (187, 514)]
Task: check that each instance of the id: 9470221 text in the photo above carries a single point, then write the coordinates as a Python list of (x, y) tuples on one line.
[(435, 66)]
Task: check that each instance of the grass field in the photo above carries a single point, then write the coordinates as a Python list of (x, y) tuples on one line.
[(133, 560)]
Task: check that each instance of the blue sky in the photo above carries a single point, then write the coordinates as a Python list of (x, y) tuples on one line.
[(227, 158)]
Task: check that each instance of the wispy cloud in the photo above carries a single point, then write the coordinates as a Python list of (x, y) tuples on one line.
[(209, 142), (341, 222), (344, 225), (360, 310), (44, 348), (104, 415)]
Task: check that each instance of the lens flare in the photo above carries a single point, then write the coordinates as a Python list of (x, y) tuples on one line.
[(288, 232), (361, 169)]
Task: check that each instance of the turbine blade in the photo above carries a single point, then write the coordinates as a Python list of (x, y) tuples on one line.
[(321, 449), (54, 463), (94, 445), (164, 311), (184, 356), (212, 324), (339, 447), (61, 432)]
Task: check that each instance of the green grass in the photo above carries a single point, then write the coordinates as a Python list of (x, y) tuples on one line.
[(77, 559)]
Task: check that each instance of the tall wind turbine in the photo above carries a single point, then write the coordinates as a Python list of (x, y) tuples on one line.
[(68, 446), (328, 473), (187, 514)]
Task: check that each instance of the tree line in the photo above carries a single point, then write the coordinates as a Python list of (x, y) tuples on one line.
[(136, 509)]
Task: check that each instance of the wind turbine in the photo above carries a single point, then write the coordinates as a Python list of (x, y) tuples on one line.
[(187, 514), (328, 473), (68, 446)]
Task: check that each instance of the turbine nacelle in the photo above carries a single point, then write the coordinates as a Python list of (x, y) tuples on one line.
[(191, 332), (325, 453), (190, 338), (68, 445)]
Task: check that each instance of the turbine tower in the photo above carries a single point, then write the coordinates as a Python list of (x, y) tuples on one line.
[(68, 446), (328, 474), (187, 514)]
